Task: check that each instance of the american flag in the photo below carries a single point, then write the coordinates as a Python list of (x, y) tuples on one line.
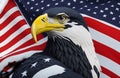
[(102, 17), (16, 41)]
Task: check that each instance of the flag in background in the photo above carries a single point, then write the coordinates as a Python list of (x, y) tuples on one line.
[(103, 19), (16, 41)]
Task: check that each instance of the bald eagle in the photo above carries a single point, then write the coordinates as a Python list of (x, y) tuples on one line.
[(69, 40)]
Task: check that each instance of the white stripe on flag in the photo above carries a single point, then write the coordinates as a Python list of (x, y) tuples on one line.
[(11, 24), (40, 42), (102, 75), (3, 3), (13, 35), (22, 41), (11, 11), (50, 71), (17, 58), (104, 39), (109, 64)]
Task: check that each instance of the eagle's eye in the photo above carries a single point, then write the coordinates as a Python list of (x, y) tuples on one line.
[(62, 18)]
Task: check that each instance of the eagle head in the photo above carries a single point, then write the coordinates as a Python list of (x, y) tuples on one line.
[(55, 21)]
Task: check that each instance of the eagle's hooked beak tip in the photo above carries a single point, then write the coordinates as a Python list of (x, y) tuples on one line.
[(34, 35)]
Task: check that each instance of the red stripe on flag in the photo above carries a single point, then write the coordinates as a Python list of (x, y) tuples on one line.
[(13, 29), (9, 5), (39, 47), (109, 73), (30, 42), (9, 19), (103, 28), (15, 40), (107, 52)]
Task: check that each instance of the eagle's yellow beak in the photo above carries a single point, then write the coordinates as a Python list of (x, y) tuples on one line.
[(41, 25)]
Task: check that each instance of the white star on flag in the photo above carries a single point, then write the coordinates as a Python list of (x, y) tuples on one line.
[(34, 65), (24, 74), (47, 60)]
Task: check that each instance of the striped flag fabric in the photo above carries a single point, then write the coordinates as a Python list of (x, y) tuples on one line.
[(16, 43), (103, 19), (107, 46)]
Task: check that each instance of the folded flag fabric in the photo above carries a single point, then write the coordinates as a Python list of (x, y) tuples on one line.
[(102, 17), (16, 43), (42, 66)]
